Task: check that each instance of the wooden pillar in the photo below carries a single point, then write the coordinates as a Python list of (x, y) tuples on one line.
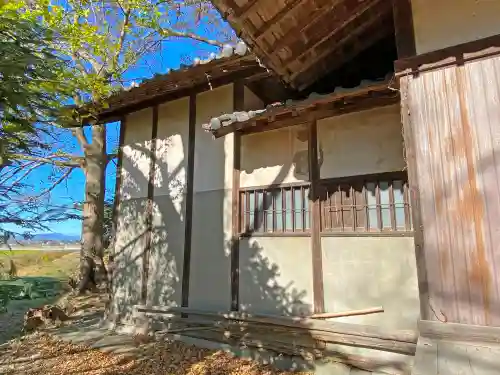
[(118, 183), (405, 43), (411, 161), (149, 208), (314, 204), (403, 28), (188, 223), (238, 105)]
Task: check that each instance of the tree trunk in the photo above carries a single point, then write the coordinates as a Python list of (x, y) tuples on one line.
[(92, 249)]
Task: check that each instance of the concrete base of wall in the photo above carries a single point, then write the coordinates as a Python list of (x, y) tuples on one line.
[(334, 364), (450, 349)]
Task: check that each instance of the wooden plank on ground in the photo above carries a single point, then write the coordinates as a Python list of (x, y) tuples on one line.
[(426, 361), (453, 359), (355, 371), (408, 336), (372, 310), (459, 332), (483, 360)]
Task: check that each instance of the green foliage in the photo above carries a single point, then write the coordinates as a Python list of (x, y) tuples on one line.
[(103, 40), (32, 83), (90, 46), (47, 272)]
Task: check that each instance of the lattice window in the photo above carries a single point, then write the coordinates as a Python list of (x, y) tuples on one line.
[(275, 210), (375, 203)]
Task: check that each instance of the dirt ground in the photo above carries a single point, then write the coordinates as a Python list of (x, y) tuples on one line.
[(41, 353), (54, 266)]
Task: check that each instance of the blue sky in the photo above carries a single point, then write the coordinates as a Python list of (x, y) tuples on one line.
[(171, 55)]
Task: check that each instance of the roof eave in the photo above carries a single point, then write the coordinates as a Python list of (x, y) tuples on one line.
[(195, 79), (369, 97)]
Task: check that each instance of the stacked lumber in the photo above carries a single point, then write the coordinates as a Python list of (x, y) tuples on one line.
[(38, 317), (295, 336)]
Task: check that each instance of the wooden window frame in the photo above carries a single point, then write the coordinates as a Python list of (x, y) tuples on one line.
[(262, 229), (367, 230)]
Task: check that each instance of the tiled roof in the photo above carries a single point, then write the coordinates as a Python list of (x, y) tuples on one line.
[(228, 119), (227, 52), (200, 72)]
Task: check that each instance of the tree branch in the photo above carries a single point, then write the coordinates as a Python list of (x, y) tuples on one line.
[(82, 54), (81, 138), (11, 171), (121, 40), (188, 35), (54, 185), (75, 161), (33, 166)]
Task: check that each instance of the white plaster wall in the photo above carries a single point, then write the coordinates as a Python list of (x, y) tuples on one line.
[(129, 249), (444, 23), (172, 149), (276, 275), (131, 224), (136, 157), (213, 157), (360, 273), (166, 258), (210, 262), (361, 143), (274, 157)]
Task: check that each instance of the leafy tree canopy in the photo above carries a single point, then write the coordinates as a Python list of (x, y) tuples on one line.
[(32, 83)]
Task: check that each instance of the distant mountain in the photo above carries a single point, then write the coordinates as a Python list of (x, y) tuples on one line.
[(56, 237)]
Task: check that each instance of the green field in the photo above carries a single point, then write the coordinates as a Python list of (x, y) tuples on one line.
[(41, 277)]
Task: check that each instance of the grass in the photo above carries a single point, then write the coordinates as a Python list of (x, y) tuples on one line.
[(42, 277), (36, 258)]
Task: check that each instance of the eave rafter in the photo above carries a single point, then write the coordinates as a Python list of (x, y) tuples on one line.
[(294, 39)]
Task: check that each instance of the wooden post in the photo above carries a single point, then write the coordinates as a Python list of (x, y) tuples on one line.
[(405, 42), (188, 224), (149, 208), (414, 192), (314, 203), (403, 27), (118, 183), (238, 103)]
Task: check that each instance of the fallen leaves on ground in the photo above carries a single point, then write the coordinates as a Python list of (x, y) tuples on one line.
[(39, 354)]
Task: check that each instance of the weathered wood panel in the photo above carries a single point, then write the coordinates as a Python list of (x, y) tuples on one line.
[(455, 128)]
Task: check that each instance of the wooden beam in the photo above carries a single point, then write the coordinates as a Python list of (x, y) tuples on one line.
[(188, 223), (341, 18), (149, 207), (277, 18), (238, 105), (246, 9), (305, 22), (315, 204), (459, 332), (118, 184), (258, 77), (361, 99), (455, 55), (206, 85), (246, 31), (360, 330), (414, 191), (403, 27), (373, 310), (366, 38), (359, 106)]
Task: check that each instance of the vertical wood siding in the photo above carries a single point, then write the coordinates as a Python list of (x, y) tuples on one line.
[(455, 126)]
